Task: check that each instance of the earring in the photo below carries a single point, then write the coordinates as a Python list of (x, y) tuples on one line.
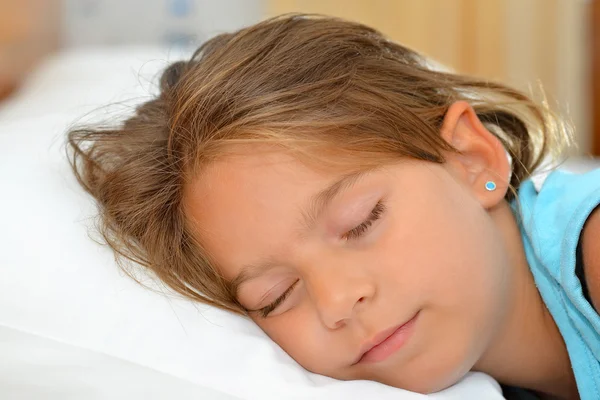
[(490, 186)]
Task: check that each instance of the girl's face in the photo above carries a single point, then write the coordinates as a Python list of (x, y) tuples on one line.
[(334, 264)]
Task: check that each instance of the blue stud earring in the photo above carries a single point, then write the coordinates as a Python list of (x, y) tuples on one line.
[(490, 186)]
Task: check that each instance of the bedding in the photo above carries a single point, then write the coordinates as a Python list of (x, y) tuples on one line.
[(72, 324)]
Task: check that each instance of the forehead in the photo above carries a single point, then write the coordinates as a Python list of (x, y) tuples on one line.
[(248, 202)]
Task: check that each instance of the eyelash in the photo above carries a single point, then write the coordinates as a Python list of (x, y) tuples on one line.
[(265, 311), (364, 227), (352, 234)]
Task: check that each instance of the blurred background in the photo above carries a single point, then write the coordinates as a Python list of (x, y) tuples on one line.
[(553, 44)]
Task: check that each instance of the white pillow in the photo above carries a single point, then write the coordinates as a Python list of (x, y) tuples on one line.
[(60, 286)]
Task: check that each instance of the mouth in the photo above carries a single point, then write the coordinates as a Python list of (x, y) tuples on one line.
[(386, 342)]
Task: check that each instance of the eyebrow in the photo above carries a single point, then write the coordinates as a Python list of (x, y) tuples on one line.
[(321, 200), (317, 204)]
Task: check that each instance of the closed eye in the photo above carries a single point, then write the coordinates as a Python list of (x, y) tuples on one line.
[(265, 311), (361, 229)]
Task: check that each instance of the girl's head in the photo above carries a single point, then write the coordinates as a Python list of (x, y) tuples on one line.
[(329, 184)]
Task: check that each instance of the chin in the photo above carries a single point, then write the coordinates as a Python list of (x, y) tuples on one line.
[(424, 379), (425, 385)]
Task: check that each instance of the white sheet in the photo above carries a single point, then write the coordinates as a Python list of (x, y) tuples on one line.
[(63, 288), (35, 367)]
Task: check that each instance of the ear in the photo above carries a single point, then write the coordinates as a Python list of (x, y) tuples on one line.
[(481, 156)]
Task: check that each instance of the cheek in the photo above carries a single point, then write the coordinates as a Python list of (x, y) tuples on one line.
[(468, 287), (300, 334), (454, 246), (466, 264), (448, 260)]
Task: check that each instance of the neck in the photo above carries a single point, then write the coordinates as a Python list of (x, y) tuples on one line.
[(529, 351)]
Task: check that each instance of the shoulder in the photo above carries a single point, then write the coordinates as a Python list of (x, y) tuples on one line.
[(552, 216), (590, 245), (553, 220)]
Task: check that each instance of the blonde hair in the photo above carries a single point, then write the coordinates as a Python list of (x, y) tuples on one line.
[(319, 86)]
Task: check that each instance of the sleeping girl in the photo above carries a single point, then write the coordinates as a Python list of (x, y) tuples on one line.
[(372, 214)]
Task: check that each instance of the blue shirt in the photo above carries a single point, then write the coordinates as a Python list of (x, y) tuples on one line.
[(551, 223)]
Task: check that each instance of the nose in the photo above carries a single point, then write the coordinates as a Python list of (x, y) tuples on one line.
[(339, 294)]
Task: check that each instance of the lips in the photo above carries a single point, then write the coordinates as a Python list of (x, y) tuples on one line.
[(386, 343)]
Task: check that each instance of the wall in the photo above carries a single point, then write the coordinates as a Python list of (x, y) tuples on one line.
[(107, 22), (28, 31)]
